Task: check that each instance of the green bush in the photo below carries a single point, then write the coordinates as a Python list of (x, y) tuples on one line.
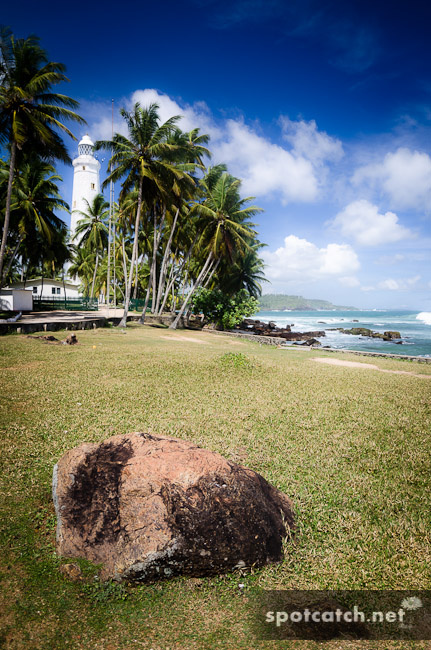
[(222, 310)]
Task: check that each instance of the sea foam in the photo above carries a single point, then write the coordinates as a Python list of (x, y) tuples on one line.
[(424, 316)]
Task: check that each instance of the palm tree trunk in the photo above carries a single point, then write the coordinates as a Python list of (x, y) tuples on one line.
[(7, 210), (123, 321), (157, 237), (123, 248), (163, 267), (183, 265), (64, 289), (213, 270), (9, 264), (94, 275), (152, 278), (115, 266), (200, 279), (135, 290), (147, 299), (154, 262), (108, 279), (169, 285)]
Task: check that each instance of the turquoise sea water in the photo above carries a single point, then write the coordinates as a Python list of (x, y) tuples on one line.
[(414, 327)]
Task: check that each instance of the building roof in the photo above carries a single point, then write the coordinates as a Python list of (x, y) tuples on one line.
[(46, 281)]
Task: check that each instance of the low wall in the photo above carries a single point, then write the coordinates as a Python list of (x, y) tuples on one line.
[(29, 327), (256, 338), (85, 323), (165, 319)]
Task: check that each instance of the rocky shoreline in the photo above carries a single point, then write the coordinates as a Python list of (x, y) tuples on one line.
[(260, 328)]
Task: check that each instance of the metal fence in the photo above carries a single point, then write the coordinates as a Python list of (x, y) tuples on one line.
[(70, 304), (138, 304)]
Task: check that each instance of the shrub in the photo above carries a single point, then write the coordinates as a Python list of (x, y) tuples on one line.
[(225, 311)]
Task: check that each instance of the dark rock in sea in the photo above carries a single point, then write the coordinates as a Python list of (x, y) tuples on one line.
[(300, 336), (321, 322), (391, 335), (361, 331), (250, 326), (149, 507), (259, 327), (355, 321), (364, 331), (313, 342)]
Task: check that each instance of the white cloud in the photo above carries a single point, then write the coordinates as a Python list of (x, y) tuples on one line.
[(267, 169), (390, 284), (193, 116), (301, 260), (403, 176), (197, 115), (307, 141), (361, 221), (349, 281), (400, 284)]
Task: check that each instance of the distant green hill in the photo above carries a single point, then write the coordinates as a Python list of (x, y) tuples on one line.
[(275, 301)]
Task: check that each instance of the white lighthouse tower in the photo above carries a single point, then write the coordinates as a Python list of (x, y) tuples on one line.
[(86, 181)]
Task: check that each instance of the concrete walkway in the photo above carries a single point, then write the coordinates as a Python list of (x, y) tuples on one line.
[(51, 321)]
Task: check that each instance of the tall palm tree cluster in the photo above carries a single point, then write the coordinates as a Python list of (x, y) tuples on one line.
[(31, 123), (178, 226)]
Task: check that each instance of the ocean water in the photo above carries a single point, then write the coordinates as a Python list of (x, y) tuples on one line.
[(414, 327)]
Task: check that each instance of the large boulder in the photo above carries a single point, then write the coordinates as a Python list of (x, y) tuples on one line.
[(148, 507)]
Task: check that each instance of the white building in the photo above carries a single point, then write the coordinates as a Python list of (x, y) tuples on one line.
[(16, 300), (48, 289), (86, 181)]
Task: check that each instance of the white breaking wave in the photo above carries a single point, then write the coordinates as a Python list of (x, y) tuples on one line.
[(425, 317)]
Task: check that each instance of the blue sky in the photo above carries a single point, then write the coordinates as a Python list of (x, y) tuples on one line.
[(323, 108)]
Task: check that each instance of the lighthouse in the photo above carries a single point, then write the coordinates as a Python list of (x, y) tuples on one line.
[(86, 181)]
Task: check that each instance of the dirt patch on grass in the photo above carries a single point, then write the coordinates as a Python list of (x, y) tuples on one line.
[(370, 366), (183, 338)]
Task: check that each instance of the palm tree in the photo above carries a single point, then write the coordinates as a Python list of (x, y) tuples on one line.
[(82, 266), (189, 156), (247, 273), (30, 113), (92, 231), (34, 223), (143, 159), (224, 224)]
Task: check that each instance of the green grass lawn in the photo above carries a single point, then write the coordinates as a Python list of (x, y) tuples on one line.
[(350, 446)]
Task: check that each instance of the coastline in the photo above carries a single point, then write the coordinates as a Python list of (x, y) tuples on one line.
[(279, 342), (413, 326)]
